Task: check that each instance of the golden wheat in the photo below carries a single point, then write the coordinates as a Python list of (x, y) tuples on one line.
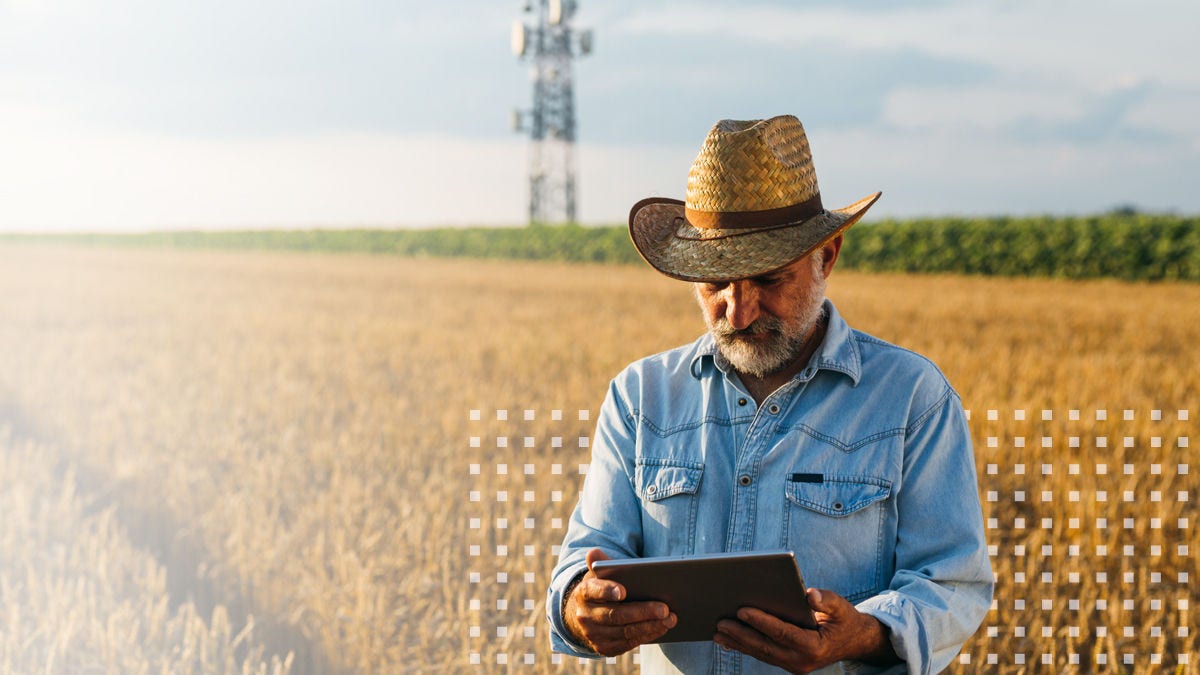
[(294, 435)]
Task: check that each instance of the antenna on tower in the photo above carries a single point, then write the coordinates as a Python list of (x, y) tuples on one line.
[(550, 42)]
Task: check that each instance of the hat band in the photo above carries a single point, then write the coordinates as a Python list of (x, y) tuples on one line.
[(737, 220)]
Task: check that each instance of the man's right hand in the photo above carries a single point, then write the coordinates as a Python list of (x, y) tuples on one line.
[(598, 616)]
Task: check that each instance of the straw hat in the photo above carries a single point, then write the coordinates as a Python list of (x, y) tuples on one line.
[(752, 206)]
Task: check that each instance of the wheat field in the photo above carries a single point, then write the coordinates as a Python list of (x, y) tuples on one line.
[(344, 463)]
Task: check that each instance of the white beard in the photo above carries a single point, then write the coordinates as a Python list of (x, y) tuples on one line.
[(785, 338)]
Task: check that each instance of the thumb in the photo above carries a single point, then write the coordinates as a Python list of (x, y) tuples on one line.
[(822, 602), (594, 555)]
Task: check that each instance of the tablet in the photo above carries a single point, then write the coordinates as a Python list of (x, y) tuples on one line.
[(704, 589)]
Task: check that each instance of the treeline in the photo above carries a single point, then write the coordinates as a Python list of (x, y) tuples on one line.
[(1132, 246)]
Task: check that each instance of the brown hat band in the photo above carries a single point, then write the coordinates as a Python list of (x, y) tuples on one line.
[(735, 220)]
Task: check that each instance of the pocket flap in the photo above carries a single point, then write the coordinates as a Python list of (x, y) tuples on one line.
[(838, 495), (659, 478)]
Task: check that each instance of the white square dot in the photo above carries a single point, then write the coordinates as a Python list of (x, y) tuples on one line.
[(502, 415), (556, 523), (475, 415), (529, 415), (993, 415), (584, 415), (556, 469), (529, 470), (1047, 414), (556, 415), (1101, 414), (475, 442), (1128, 415), (501, 469), (529, 523), (1073, 415), (1156, 415), (529, 577), (1018, 414)]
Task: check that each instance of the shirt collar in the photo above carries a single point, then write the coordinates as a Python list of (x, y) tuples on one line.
[(838, 351)]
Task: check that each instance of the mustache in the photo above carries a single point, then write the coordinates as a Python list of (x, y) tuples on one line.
[(723, 329)]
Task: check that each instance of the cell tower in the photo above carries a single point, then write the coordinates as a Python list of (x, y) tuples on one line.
[(550, 43)]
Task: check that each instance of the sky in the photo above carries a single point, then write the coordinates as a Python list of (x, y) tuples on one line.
[(134, 115)]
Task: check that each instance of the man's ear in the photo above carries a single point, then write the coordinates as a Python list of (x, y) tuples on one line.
[(829, 255)]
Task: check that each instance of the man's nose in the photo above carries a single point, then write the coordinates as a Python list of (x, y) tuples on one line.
[(741, 307)]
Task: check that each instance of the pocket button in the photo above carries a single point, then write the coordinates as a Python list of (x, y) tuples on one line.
[(745, 481)]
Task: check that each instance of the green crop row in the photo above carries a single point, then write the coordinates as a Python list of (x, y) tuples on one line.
[(1131, 246)]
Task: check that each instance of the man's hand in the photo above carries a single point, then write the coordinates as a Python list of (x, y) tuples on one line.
[(842, 633), (595, 612)]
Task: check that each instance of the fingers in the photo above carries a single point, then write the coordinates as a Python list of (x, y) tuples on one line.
[(774, 629), (593, 555), (615, 628)]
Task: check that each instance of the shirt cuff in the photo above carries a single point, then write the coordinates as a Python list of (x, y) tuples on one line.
[(904, 629), (561, 640)]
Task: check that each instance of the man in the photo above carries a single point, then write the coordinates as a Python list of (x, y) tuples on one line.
[(780, 427)]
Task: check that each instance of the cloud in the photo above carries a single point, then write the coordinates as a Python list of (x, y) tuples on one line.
[(1105, 117), (682, 96), (233, 69)]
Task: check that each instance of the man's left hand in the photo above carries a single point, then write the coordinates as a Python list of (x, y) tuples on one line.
[(842, 633)]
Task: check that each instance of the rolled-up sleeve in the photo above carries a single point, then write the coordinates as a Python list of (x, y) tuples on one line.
[(942, 588), (607, 516)]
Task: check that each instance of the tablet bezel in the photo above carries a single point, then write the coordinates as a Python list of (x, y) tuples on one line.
[(703, 589)]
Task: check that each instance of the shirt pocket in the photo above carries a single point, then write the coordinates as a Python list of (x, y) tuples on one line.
[(667, 489), (835, 526)]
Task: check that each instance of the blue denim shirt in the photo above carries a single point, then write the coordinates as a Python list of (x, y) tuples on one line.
[(683, 462)]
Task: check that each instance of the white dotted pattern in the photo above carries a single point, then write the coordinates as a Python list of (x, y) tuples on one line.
[(1116, 579)]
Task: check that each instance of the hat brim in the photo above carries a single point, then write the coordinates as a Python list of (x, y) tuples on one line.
[(671, 245)]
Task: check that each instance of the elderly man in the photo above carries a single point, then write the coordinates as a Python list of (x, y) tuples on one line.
[(781, 427)]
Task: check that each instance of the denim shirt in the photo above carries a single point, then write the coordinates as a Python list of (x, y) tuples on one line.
[(884, 510)]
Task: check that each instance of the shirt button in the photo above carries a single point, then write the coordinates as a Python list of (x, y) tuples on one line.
[(652, 489), (837, 506), (774, 409), (744, 480), (741, 401)]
